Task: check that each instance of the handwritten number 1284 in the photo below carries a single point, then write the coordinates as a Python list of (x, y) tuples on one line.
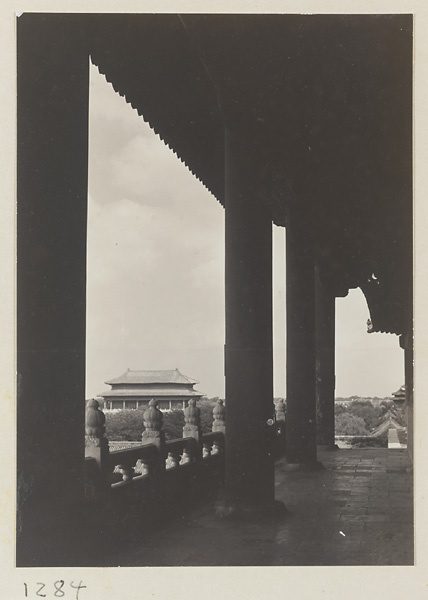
[(57, 590)]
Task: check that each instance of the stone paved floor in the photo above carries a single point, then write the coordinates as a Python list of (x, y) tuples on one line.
[(358, 511)]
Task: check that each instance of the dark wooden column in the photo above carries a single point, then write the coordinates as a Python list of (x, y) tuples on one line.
[(301, 442), (325, 364), (53, 90), (249, 482), (406, 342)]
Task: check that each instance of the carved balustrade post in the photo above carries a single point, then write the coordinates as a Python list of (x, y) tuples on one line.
[(192, 427), (219, 414), (96, 444), (153, 433)]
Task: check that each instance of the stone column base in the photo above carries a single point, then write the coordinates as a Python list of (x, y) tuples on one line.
[(241, 510), (330, 447), (304, 467)]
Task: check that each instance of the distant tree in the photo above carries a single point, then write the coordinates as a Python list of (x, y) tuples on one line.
[(128, 424), (173, 423), (349, 424), (387, 403), (213, 399), (206, 406), (124, 425), (339, 409), (372, 415), (356, 412)]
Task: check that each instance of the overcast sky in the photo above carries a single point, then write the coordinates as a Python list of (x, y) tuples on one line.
[(156, 269)]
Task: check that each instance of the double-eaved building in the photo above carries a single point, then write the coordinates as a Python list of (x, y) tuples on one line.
[(135, 389)]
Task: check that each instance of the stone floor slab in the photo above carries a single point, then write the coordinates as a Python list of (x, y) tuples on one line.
[(358, 511)]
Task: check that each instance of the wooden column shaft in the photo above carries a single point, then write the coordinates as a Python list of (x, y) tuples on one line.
[(249, 358), (325, 364), (53, 95), (408, 378), (301, 346)]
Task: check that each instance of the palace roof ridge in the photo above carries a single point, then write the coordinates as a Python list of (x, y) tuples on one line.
[(141, 392), (152, 376)]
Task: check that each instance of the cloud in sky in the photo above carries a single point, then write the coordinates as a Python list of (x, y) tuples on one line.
[(155, 254), (156, 269)]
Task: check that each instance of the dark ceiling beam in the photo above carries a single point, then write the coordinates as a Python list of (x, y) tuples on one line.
[(325, 101)]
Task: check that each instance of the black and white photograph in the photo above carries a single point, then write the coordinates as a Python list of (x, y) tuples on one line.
[(214, 292)]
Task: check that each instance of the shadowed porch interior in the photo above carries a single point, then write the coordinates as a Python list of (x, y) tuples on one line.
[(358, 511), (304, 121)]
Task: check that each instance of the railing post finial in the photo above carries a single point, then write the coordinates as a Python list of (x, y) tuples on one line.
[(94, 425), (280, 411), (219, 414), (153, 433), (96, 444), (192, 418)]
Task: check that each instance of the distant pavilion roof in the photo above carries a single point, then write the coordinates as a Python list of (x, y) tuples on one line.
[(388, 423), (152, 377), (400, 394)]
